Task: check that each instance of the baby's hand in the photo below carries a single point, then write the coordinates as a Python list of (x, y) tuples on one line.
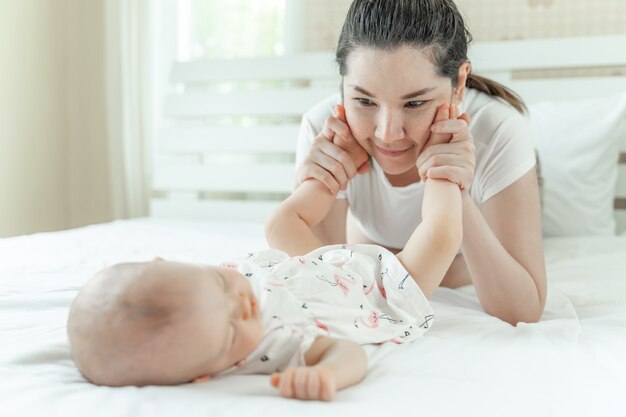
[(347, 142), (306, 383)]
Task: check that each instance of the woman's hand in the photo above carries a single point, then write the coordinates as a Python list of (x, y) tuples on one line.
[(306, 383), (449, 153), (327, 162)]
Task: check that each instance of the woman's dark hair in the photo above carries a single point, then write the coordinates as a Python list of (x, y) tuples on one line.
[(434, 26)]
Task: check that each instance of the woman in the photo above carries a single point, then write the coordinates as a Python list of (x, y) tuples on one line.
[(399, 61)]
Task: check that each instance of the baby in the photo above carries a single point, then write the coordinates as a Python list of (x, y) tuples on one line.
[(299, 311)]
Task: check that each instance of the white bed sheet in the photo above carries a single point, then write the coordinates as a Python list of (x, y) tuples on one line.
[(572, 363)]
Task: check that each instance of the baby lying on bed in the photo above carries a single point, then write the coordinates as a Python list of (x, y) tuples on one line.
[(298, 312)]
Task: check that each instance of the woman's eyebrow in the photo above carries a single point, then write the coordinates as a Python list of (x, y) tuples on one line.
[(362, 90), (419, 93), (404, 97)]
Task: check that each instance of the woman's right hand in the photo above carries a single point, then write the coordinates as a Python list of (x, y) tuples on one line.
[(327, 162)]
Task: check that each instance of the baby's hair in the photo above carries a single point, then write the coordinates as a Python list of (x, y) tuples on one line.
[(120, 323)]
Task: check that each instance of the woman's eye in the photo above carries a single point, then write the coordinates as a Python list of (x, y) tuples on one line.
[(414, 104), (366, 102)]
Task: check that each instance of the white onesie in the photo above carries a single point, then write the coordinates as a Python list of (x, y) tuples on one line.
[(356, 292)]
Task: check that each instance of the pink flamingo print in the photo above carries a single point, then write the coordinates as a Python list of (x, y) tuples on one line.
[(338, 282), (341, 283), (372, 321), (323, 327), (381, 289)]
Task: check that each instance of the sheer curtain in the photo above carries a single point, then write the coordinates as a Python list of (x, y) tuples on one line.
[(132, 101), (143, 39)]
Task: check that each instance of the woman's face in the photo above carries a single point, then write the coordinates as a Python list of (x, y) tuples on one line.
[(391, 98)]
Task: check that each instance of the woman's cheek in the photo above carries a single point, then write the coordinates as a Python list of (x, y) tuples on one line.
[(360, 126), (418, 127)]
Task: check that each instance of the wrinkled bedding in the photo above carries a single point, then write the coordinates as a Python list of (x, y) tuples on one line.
[(571, 363)]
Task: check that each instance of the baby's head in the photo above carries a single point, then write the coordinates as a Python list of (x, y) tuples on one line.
[(162, 323)]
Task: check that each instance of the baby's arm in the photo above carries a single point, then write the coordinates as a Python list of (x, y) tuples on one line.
[(289, 228), (332, 364), (433, 245)]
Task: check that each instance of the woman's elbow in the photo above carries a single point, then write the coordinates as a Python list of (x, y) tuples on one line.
[(528, 315)]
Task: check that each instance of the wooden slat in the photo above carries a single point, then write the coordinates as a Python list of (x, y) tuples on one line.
[(288, 102), (257, 139), (235, 210), (567, 88), (622, 156), (620, 204), (225, 178), (183, 136), (306, 66), (549, 53)]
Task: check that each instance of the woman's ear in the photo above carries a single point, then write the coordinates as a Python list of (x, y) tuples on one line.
[(459, 89)]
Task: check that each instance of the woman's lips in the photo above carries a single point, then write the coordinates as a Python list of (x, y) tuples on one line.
[(388, 152)]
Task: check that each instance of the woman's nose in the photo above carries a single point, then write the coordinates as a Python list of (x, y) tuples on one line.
[(389, 127)]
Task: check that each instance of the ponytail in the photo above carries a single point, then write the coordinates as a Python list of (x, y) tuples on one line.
[(495, 89)]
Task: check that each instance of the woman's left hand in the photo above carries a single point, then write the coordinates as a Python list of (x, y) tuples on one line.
[(455, 160)]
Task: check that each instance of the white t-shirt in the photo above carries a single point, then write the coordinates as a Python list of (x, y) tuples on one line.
[(388, 215), (356, 292)]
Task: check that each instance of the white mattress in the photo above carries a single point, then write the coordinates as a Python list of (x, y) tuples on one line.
[(572, 363)]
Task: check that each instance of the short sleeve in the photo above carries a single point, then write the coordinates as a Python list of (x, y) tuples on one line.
[(509, 156), (306, 134)]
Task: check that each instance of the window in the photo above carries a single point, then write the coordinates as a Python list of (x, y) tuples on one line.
[(229, 28)]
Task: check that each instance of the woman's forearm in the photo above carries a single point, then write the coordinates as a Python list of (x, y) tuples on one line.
[(504, 287)]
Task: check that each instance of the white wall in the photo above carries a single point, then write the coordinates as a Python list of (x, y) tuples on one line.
[(489, 20), (53, 161)]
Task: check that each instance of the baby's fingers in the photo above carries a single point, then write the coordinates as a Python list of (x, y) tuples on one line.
[(328, 386), (448, 127), (443, 113), (285, 383), (340, 113), (275, 379), (313, 385)]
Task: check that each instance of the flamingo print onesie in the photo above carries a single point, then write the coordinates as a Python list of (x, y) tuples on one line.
[(356, 292)]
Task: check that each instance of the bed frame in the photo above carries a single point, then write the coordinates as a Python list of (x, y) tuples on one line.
[(227, 140)]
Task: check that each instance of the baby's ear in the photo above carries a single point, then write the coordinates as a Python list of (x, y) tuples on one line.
[(204, 378)]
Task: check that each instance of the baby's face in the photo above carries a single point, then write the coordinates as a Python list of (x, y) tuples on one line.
[(227, 326), (224, 326), (233, 315)]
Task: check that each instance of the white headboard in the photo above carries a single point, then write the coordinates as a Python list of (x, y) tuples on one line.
[(227, 138)]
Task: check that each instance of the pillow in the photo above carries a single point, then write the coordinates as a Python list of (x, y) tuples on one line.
[(578, 145)]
